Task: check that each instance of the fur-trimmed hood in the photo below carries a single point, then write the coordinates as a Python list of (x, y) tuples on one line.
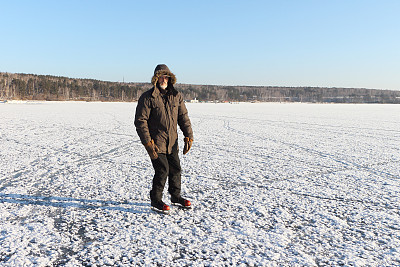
[(160, 70)]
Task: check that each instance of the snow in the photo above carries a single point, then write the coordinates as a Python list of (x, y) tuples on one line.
[(271, 184)]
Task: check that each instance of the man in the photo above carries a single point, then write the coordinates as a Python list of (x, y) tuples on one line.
[(158, 113)]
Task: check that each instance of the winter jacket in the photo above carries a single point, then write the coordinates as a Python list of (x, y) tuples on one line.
[(157, 116)]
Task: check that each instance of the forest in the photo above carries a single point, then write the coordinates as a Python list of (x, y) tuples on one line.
[(19, 86)]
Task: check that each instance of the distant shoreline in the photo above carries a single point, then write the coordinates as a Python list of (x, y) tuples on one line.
[(20, 86)]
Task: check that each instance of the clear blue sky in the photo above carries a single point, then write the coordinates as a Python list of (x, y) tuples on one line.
[(349, 43)]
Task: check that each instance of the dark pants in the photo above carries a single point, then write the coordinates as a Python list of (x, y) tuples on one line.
[(166, 166)]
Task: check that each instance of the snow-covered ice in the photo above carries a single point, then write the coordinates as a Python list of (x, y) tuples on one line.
[(271, 184)]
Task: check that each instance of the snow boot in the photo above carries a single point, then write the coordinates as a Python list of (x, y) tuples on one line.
[(160, 206), (181, 202)]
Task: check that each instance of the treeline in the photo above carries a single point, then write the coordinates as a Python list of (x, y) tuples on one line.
[(45, 87), (290, 94)]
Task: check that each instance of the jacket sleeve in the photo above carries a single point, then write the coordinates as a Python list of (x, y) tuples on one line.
[(183, 119), (142, 114)]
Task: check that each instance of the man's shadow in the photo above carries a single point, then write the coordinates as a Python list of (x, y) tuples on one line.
[(66, 202)]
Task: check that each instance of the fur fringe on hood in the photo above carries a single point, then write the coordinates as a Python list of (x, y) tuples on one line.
[(160, 70)]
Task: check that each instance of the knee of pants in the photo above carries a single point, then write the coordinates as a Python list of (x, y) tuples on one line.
[(161, 173)]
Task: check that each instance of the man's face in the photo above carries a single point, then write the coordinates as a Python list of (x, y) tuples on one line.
[(163, 81)]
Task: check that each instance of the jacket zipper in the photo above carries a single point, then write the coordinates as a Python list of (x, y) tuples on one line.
[(165, 100)]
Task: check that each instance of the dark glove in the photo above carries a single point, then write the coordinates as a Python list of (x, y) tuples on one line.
[(152, 149), (188, 145)]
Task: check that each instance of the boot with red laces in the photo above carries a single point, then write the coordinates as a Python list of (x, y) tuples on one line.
[(160, 206), (181, 202)]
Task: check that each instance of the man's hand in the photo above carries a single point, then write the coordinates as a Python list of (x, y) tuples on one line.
[(188, 145), (152, 149)]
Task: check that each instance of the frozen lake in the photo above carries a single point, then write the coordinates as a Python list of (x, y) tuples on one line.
[(271, 184)]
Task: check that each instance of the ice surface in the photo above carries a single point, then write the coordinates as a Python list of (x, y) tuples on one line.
[(271, 184)]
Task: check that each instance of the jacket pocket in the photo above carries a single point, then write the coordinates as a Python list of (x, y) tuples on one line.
[(174, 110), (156, 109)]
